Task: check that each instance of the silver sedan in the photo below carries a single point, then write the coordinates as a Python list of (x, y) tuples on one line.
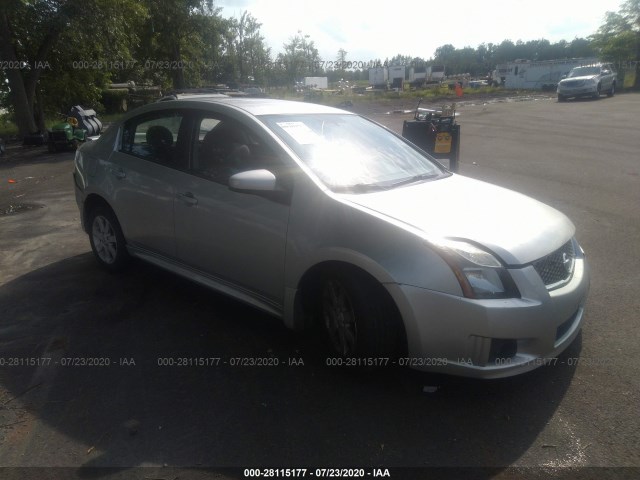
[(325, 219)]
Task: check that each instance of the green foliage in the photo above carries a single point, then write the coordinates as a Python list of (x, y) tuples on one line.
[(8, 127), (618, 40), (73, 50), (299, 59), (67, 47), (483, 59)]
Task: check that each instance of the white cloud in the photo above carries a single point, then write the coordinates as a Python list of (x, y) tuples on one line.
[(368, 31)]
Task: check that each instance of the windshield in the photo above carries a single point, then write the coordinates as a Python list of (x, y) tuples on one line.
[(584, 71), (351, 153)]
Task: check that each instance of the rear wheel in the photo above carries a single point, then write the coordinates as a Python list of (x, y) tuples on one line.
[(359, 319), (107, 240)]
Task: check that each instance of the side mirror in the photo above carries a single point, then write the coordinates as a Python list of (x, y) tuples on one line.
[(253, 181), (262, 183), (563, 77)]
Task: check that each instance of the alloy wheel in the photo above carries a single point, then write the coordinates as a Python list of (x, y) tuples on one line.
[(339, 318), (104, 240)]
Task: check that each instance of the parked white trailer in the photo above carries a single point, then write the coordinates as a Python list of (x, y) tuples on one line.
[(435, 73), (378, 77), (396, 75), (316, 82), (542, 75), (417, 75)]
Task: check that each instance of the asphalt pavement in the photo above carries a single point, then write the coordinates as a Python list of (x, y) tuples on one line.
[(144, 369)]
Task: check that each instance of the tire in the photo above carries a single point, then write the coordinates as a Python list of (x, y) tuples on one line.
[(561, 98), (52, 147), (612, 91), (596, 94), (107, 241), (358, 317)]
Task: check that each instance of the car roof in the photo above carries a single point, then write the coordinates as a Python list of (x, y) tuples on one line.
[(266, 106), (245, 106), (183, 96), (253, 106)]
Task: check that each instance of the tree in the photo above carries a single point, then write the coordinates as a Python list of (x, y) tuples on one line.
[(341, 60), (400, 60), (173, 38), (253, 57), (618, 39), (444, 53), (49, 38), (300, 57)]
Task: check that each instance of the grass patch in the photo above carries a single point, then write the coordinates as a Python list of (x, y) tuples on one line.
[(434, 93), (7, 127), (629, 79)]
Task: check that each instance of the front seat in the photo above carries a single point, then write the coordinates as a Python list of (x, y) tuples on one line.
[(224, 151), (160, 139)]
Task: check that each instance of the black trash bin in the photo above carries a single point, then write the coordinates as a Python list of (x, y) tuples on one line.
[(437, 133)]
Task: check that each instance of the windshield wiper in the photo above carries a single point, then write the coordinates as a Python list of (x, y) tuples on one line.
[(360, 188), (376, 187), (414, 179)]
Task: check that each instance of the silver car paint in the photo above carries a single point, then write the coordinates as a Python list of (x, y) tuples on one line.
[(386, 234), (236, 236), (460, 207), (142, 195), (589, 83)]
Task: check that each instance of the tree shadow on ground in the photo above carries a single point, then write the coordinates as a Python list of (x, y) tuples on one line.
[(146, 412)]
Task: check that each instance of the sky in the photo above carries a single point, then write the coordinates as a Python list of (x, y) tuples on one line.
[(369, 30)]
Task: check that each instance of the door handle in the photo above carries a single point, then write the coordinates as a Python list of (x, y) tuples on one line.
[(188, 198), (119, 173)]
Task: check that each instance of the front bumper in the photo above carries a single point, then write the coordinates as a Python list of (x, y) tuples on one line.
[(587, 90), (493, 338), (79, 194)]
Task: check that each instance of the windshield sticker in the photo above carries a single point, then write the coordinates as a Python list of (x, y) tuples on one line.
[(300, 132)]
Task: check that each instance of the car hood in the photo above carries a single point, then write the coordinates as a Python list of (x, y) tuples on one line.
[(515, 227), (582, 78)]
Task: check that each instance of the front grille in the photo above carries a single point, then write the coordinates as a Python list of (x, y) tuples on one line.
[(573, 83), (556, 268)]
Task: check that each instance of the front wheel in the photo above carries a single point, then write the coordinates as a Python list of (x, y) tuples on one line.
[(107, 240), (612, 91), (561, 98), (358, 317), (596, 94)]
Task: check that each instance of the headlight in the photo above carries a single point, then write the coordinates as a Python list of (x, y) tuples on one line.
[(480, 273), (485, 282)]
